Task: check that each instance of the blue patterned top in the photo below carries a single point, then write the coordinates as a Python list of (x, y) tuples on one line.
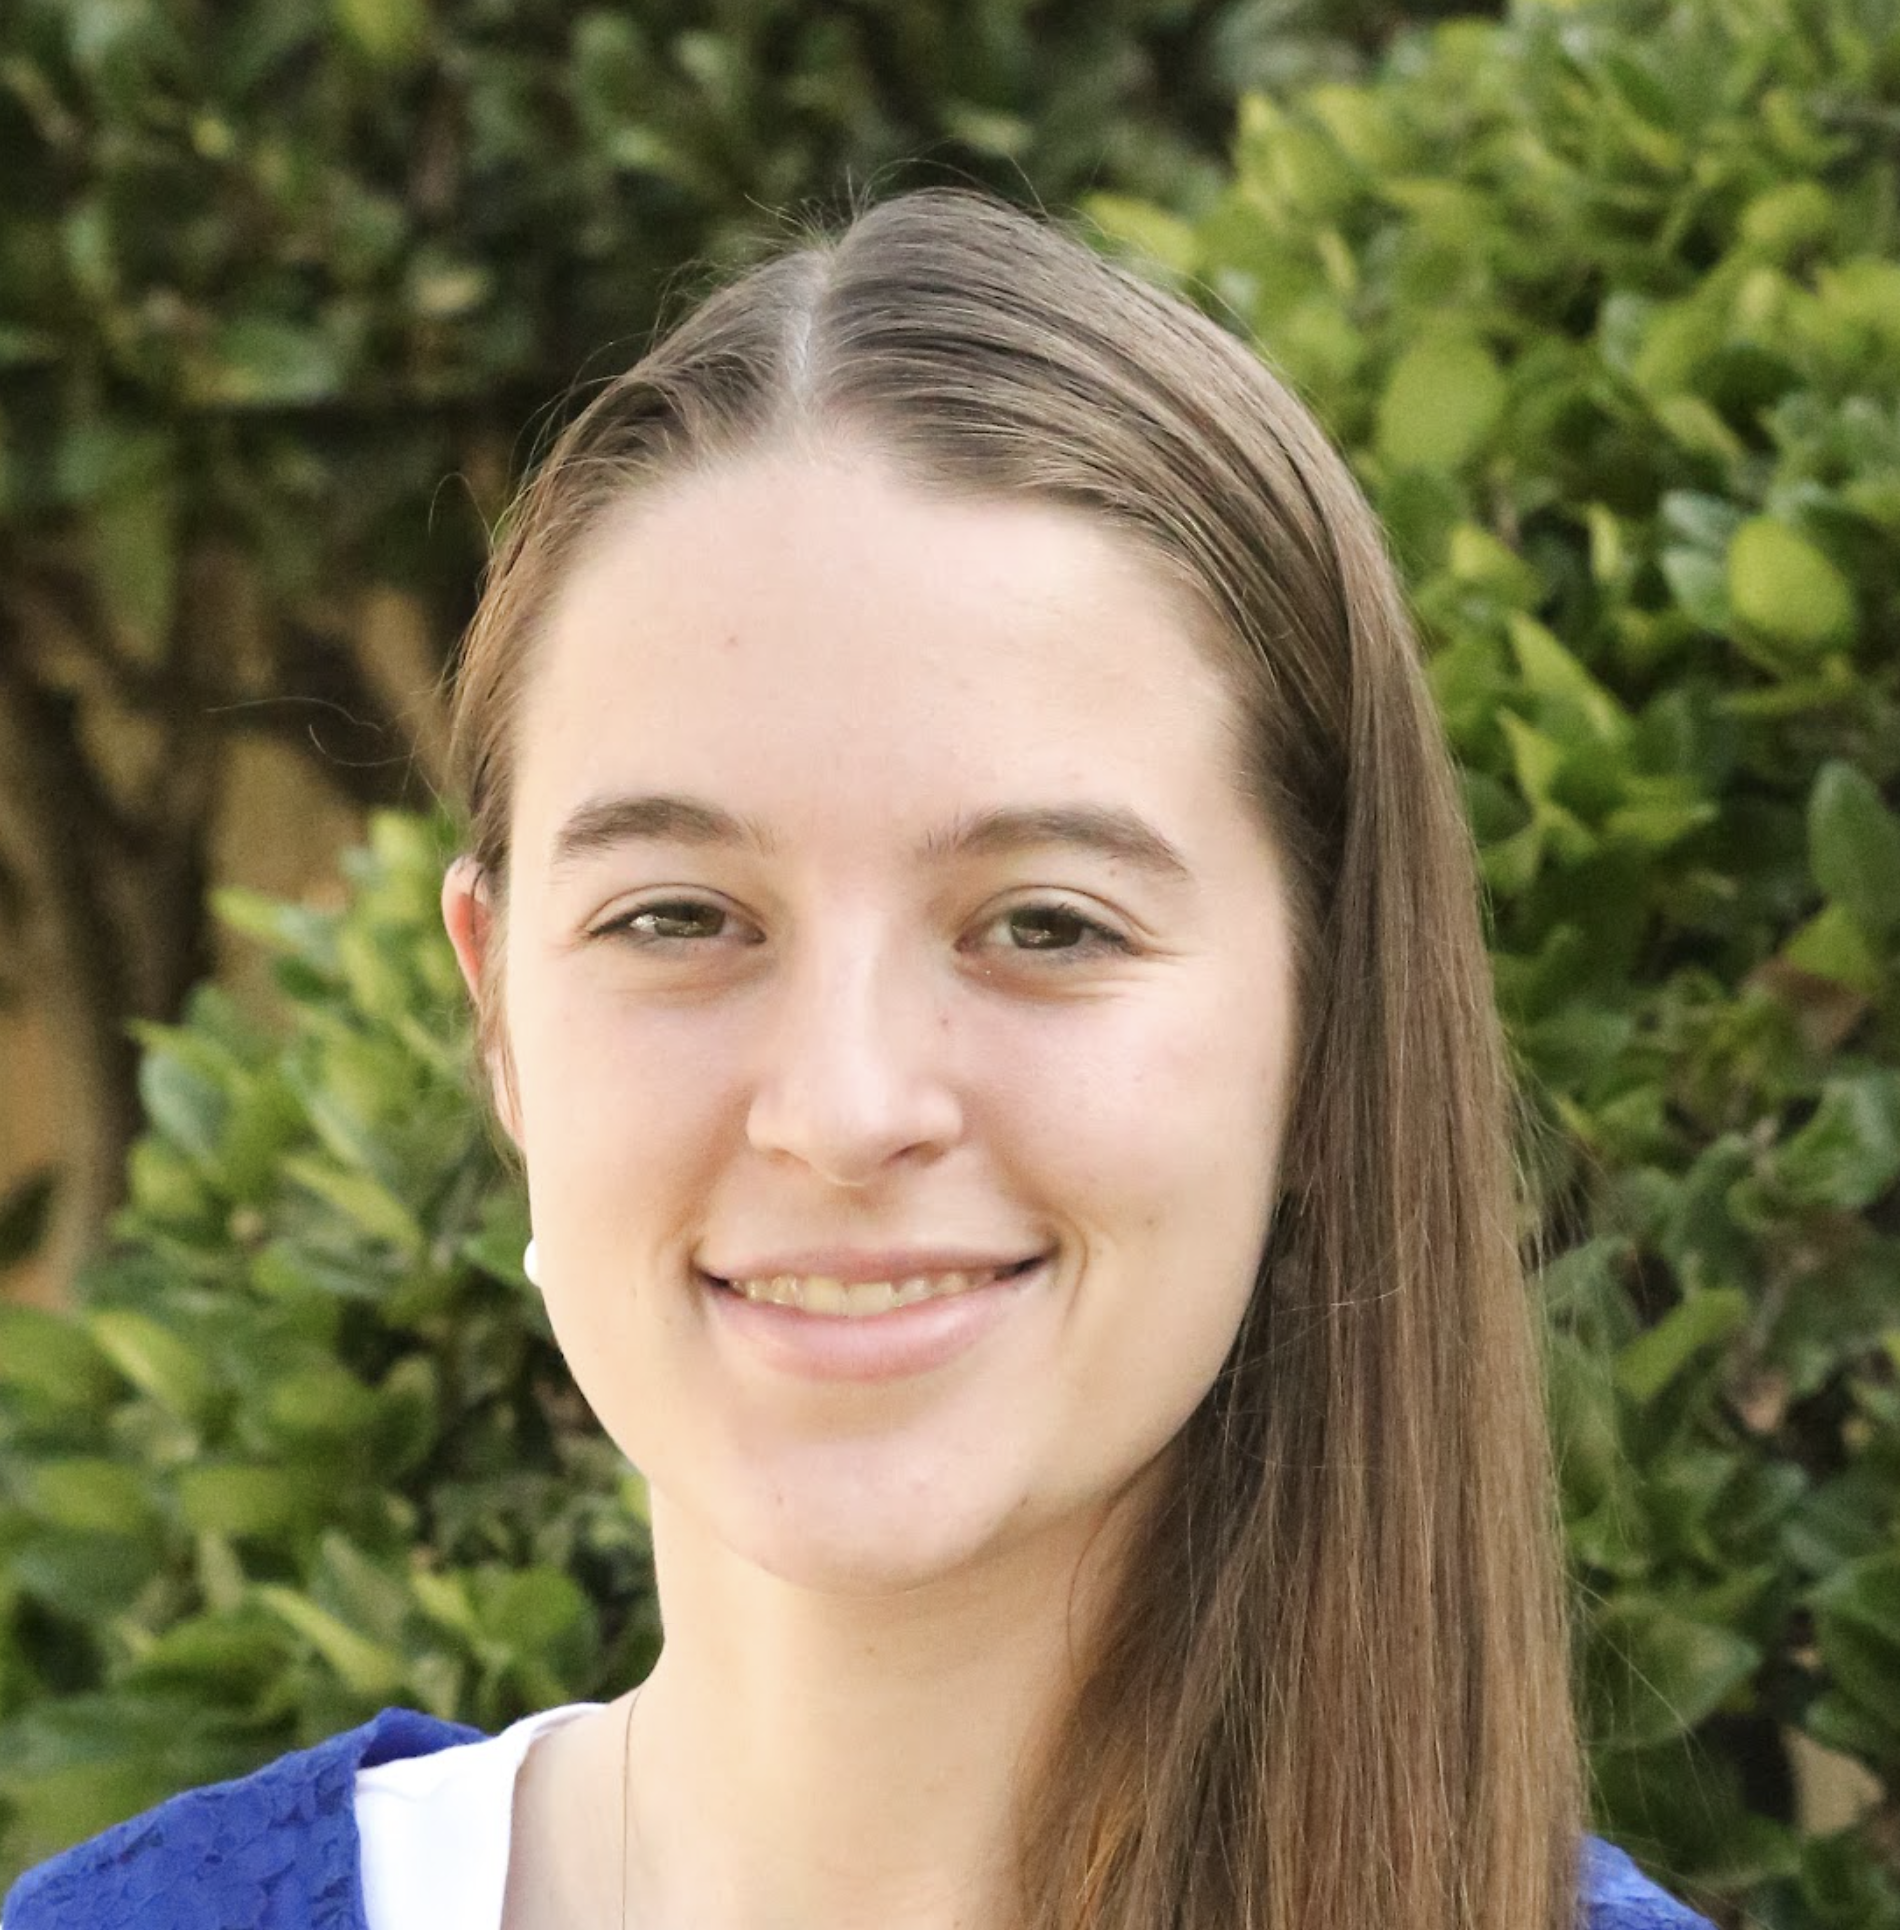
[(277, 1850)]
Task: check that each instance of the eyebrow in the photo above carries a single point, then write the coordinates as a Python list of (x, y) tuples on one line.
[(601, 824), (1108, 831)]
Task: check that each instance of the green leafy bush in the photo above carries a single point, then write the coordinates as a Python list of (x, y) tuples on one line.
[(309, 1448), (1605, 303)]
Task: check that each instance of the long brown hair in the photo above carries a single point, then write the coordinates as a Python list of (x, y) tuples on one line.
[(1332, 1691)]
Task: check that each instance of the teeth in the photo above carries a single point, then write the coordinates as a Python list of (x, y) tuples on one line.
[(821, 1294)]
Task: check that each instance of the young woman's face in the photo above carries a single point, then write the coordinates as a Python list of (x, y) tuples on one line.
[(899, 993)]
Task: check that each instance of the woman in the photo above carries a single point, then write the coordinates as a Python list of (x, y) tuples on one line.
[(974, 938)]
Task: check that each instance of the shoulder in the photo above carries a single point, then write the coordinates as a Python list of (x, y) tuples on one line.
[(1618, 1896), (278, 1849), (275, 1849)]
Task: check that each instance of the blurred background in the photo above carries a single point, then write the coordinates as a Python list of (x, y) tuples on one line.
[(1602, 297)]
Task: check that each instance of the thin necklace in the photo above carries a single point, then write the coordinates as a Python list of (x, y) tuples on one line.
[(626, 1803)]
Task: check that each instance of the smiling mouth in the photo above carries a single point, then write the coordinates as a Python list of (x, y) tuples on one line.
[(824, 1294)]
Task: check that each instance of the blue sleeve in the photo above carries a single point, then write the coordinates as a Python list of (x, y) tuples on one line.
[(1618, 1896), (275, 1850)]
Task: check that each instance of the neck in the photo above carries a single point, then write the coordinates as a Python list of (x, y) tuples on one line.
[(812, 1761)]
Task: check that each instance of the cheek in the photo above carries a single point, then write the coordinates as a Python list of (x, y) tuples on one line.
[(622, 1107), (1150, 1103)]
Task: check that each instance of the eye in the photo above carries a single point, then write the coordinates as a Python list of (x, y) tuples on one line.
[(1051, 927), (670, 921)]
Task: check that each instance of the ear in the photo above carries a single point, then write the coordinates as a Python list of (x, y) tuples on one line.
[(469, 917), (468, 912)]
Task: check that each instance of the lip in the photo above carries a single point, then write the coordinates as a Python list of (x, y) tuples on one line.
[(858, 1265), (903, 1343)]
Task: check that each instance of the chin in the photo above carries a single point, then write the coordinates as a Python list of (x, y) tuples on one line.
[(856, 1574), (856, 1552), (876, 1517)]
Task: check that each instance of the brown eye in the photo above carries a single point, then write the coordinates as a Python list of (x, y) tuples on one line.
[(1049, 928), (673, 921), (1056, 928)]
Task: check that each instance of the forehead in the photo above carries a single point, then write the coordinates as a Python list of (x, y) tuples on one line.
[(796, 605)]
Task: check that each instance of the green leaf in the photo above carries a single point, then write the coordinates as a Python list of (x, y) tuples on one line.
[(1551, 671), (391, 33), (445, 1600), (1866, 1593), (1838, 1523), (1833, 945), (1441, 403), (1147, 231), (1654, 1672), (1857, 1629), (231, 1499), (264, 363), (1794, 215), (104, 456), (1705, 522), (1511, 864), (443, 288), (637, 1497), (1536, 758), (365, 1202), (1698, 426), (372, 1596), (375, 972), (1848, 1153), (297, 931), (155, 1360), (986, 129), (53, 1356), (1854, 847), (408, 1415), (1609, 554), (92, 1494), (1656, 824), (1672, 341), (186, 1105), (1701, 1320), (1699, 584), (166, 1187), (1590, 1458), (210, 1654), (531, 1610), (319, 1402), (1782, 586), (87, 1574), (642, 148), (25, 347), (1851, 1728), (367, 1668)]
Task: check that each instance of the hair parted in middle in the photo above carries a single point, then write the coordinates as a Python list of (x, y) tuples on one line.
[(1332, 1690)]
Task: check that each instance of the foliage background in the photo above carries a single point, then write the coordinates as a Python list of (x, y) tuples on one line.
[(1604, 300)]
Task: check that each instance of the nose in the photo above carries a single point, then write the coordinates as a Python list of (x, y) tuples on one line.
[(853, 1078)]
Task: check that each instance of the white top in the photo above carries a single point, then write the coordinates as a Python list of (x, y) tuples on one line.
[(434, 1829)]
